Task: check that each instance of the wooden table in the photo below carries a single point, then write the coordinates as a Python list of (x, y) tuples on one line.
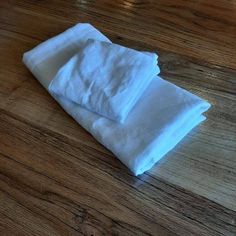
[(56, 179)]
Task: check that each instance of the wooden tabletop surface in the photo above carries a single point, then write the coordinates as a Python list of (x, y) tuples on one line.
[(56, 179)]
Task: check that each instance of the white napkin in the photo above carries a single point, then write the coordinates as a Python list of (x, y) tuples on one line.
[(105, 78), (160, 119)]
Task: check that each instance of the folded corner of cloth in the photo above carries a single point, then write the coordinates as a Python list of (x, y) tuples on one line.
[(49, 56), (105, 78), (86, 75)]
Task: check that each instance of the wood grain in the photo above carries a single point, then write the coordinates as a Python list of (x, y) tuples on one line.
[(55, 179)]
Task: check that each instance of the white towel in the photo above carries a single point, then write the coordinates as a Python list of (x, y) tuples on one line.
[(105, 78), (160, 119)]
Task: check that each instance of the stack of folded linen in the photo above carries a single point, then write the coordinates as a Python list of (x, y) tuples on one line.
[(115, 94)]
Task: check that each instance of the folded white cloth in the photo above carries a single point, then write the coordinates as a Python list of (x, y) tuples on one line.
[(105, 78), (160, 119)]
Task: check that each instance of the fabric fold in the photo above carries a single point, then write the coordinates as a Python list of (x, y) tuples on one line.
[(105, 78), (162, 116)]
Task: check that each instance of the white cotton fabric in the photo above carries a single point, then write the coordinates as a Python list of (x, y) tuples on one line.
[(162, 116), (105, 78)]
